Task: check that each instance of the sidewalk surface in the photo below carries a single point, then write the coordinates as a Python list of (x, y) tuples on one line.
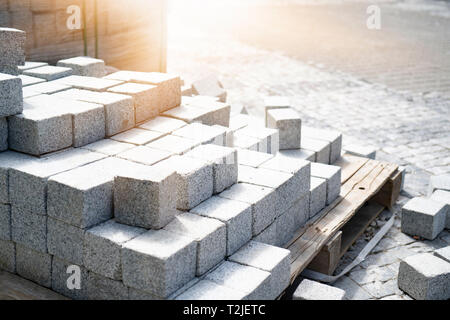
[(388, 88)]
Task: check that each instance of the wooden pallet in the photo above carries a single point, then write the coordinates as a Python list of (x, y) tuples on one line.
[(335, 228)]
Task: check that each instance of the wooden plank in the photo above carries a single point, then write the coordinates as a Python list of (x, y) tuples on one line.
[(328, 258), (390, 192), (354, 193), (349, 165), (355, 227), (13, 287)]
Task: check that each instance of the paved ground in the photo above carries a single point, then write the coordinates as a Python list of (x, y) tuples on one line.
[(389, 90)]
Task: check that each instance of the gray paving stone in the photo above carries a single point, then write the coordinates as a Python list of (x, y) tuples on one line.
[(8, 256), (195, 182), (102, 288), (45, 87), (87, 83), (239, 121), (202, 133), (11, 70), (224, 161), (253, 282), (301, 211), (361, 151), (208, 290), (5, 222), (268, 235), (299, 154), (441, 182), (108, 147), (312, 290), (423, 217), (252, 158), (31, 177), (158, 262), (425, 277), (12, 51), (83, 197), (269, 138), (244, 142), (333, 176), (321, 148), (168, 86), (188, 114), (137, 136), (144, 155), (41, 128), (443, 253), (119, 108), (29, 228), (352, 290), (286, 185), (63, 274), (209, 86), (29, 81), (318, 199), (217, 113), (268, 258), (84, 66), (334, 137), (102, 248), (443, 196), (163, 124), (209, 234), (275, 102), (8, 160), (235, 214), (48, 73), (173, 144), (65, 241), (289, 124), (3, 134), (145, 196), (33, 265), (145, 99), (262, 200), (31, 65), (10, 95)]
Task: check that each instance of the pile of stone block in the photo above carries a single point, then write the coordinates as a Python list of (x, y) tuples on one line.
[(147, 194), (426, 217)]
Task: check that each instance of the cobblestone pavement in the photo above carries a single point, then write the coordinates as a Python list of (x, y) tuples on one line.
[(409, 128)]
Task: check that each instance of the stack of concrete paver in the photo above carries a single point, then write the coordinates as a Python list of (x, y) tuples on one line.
[(150, 195)]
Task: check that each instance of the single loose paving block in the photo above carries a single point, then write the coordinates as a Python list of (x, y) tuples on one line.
[(262, 200), (29, 81), (209, 234), (424, 218), (208, 290), (318, 195), (312, 290), (12, 50), (425, 277), (202, 133), (48, 73), (289, 124), (137, 136), (443, 196), (34, 265), (209, 86), (31, 177), (8, 160), (10, 95), (159, 262), (235, 214), (29, 228), (103, 245), (268, 258), (84, 66), (334, 137), (224, 161), (321, 148), (195, 182), (83, 197), (145, 99), (275, 102), (145, 196), (144, 155), (253, 282), (252, 158), (174, 144), (333, 176), (3, 134), (87, 83), (163, 124), (119, 108)]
